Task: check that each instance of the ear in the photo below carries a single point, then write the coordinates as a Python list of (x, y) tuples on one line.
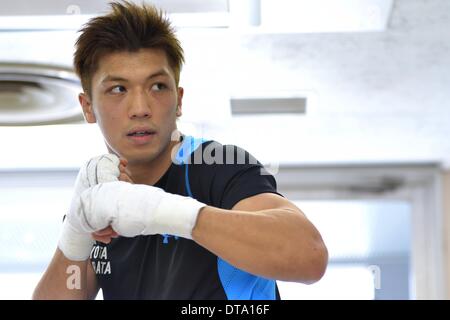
[(88, 111), (180, 101)]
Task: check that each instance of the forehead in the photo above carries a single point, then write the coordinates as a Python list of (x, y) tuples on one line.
[(132, 65)]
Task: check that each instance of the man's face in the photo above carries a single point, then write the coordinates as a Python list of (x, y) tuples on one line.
[(135, 102)]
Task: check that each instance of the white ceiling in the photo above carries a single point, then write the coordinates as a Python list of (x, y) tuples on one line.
[(374, 97), (59, 7), (380, 97)]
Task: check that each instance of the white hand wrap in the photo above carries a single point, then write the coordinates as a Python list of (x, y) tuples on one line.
[(75, 239), (134, 209)]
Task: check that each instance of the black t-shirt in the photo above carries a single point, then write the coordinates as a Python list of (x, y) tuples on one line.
[(170, 267)]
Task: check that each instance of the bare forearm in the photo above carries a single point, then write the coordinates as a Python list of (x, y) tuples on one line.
[(63, 279), (275, 243)]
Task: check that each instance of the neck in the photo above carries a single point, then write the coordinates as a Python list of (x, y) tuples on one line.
[(150, 172)]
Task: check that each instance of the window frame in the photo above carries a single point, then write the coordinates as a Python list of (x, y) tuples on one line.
[(418, 184)]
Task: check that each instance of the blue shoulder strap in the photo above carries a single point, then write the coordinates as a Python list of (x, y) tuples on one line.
[(188, 146)]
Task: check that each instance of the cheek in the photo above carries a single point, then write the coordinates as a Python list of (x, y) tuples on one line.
[(164, 112), (109, 122), (108, 111), (114, 125), (171, 108)]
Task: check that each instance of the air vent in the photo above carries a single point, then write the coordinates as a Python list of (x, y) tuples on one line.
[(279, 105), (33, 94)]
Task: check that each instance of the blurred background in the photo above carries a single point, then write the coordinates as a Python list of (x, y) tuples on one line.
[(346, 102)]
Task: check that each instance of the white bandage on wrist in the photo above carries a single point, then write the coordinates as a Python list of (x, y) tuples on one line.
[(139, 209), (175, 215), (75, 240), (75, 246)]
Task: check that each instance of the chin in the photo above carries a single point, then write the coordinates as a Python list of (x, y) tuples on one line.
[(143, 154), (141, 158)]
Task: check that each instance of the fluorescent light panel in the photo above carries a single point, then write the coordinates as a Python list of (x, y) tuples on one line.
[(255, 106)]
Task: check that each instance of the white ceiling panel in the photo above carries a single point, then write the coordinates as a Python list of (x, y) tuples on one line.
[(62, 7), (379, 97)]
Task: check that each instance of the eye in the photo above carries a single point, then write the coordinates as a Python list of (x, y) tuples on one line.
[(117, 89), (159, 86)]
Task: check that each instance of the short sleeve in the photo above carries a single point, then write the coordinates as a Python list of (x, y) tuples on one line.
[(228, 174)]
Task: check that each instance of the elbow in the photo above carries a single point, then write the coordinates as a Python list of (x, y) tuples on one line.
[(309, 266), (318, 263)]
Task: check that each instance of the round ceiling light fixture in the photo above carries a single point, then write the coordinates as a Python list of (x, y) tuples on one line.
[(33, 94)]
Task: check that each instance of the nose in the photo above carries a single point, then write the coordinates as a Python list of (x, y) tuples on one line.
[(139, 106)]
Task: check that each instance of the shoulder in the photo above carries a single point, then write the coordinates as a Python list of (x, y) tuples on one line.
[(221, 175), (214, 153)]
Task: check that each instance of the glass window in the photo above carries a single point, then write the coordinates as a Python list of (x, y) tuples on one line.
[(30, 221), (369, 250)]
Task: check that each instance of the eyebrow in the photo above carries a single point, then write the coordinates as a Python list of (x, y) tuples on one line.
[(110, 78)]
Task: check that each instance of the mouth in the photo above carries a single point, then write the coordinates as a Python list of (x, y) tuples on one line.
[(140, 132), (141, 135)]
